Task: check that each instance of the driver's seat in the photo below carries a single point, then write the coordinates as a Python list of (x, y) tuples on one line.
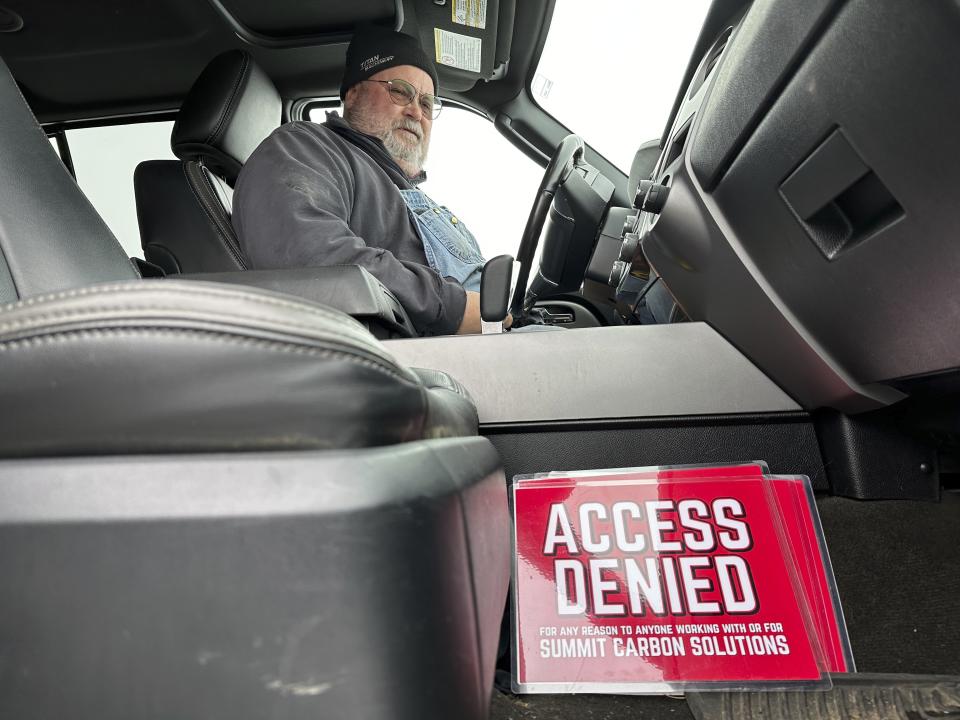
[(184, 206)]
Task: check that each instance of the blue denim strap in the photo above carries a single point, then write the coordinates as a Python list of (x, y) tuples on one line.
[(448, 245)]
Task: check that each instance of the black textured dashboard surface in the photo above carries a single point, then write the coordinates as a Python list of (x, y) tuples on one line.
[(882, 305), (788, 446), (758, 60), (838, 291)]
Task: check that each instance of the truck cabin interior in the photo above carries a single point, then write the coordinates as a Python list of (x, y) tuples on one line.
[(228, 492)]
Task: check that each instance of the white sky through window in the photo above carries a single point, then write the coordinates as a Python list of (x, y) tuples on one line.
[(611, 69)]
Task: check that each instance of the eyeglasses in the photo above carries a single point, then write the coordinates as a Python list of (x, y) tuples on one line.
[(403, 93)]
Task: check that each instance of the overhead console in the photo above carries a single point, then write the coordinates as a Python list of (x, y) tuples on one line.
[(810, 211)]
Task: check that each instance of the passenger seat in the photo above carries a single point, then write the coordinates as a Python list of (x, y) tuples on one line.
[(212, 497), (184, 206)]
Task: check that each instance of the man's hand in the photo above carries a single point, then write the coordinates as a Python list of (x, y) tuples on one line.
[(470, 325)]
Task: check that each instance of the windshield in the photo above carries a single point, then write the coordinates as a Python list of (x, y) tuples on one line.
[(611, 69)]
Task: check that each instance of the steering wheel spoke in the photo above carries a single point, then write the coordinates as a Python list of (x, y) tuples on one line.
[(567, 156)]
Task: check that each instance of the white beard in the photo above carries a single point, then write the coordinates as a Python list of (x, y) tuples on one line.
[(410, 154)]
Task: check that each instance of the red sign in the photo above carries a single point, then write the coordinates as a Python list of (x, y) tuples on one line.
[(795, 500), (641, 581)]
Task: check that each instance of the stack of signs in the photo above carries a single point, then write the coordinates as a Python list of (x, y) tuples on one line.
[(660, 580)]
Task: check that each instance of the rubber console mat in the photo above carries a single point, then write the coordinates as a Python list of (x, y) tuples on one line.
[(853, 697)]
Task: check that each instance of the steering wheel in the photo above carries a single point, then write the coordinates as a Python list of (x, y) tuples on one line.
[(566, 157)]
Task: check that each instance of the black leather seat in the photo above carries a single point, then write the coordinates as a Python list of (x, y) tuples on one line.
[(184, 206), (158, 366), (165, 553), (53, 240)]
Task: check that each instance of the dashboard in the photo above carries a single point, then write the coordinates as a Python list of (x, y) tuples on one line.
[(802, 202)]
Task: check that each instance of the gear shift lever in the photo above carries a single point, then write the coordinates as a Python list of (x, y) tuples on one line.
[(495, 293)]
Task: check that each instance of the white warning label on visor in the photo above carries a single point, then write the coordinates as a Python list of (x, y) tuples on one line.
[(459, 51), (472, 13)]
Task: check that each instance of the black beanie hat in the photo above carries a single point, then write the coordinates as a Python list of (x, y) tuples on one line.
[(374, 49)]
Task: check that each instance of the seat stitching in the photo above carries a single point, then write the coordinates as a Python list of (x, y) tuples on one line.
[(94, 312), (140, 287), (276, 345), (212, 198), (351, 329), (83, 198), (67, 312), (221, 293), (33, 117), (349, 326), (91, 313), (186, 167), (227, 109), (210, 214)]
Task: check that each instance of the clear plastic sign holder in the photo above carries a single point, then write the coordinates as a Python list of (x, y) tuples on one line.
[(666, 579)]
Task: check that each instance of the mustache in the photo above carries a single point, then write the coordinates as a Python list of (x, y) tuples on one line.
[(408, 124)]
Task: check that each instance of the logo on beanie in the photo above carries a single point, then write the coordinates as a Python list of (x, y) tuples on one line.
[(371, 63)]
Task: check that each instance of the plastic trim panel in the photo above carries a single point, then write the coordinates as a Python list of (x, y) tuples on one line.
[(293, 585), (592, 373)]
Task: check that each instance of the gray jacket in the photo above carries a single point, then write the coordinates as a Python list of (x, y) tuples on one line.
[(327, 195)]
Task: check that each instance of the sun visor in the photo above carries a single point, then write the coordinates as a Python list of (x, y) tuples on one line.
[(293, 23), (469, 39)]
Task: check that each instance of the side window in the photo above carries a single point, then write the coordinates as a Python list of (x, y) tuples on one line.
[(105, 158), (622, 113), (480, 176)]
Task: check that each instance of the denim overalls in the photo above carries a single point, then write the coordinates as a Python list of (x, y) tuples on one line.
[(450, 248)]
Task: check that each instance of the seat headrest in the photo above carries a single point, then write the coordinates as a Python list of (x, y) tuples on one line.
[(230, 109)]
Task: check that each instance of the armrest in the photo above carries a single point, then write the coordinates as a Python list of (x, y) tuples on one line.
[(348, 288)]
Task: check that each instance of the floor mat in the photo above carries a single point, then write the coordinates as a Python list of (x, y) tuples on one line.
[(898, 571)]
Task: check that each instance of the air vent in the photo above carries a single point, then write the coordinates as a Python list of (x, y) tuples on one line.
[(709, 61)]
